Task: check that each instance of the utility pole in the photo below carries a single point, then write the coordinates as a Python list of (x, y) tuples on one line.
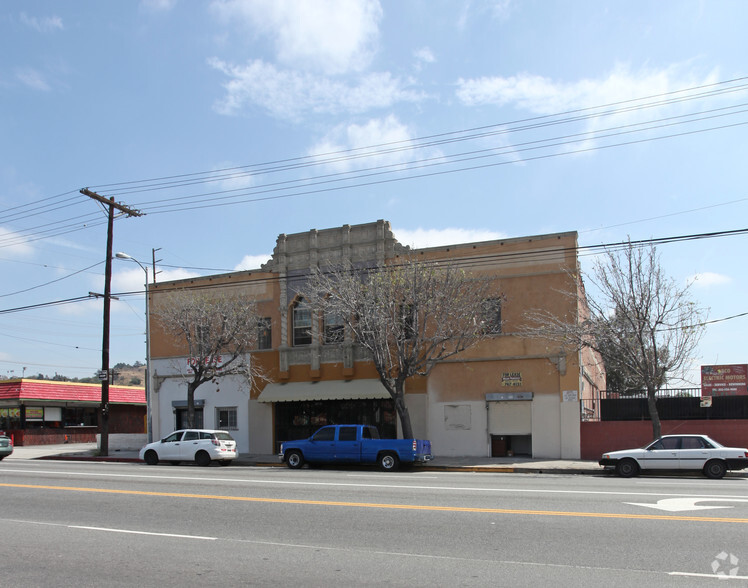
[(104, 415)]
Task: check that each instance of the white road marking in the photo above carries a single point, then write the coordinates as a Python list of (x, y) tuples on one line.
[(714, 576), (492, 490), (684, 504), (127, 531), (131, 532)]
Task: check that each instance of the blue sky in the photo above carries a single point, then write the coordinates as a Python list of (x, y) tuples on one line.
[(179, 109)]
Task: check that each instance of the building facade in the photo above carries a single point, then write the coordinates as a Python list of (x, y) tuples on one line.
[(507, 395), (43, 412)]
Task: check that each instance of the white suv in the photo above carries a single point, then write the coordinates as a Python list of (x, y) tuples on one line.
[(198, 445)]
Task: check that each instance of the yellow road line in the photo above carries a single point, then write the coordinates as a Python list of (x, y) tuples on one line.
[(550, 513)]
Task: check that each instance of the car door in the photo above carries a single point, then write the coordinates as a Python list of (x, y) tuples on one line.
[(693, 454), (348, 446), (189, 445), (322, 445), (171, 447), (662, 455)]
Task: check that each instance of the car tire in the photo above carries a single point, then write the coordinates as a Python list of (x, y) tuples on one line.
[(715, 469), (202, 459), (388, 462), (294, 459), (150, 457), (626, 468)]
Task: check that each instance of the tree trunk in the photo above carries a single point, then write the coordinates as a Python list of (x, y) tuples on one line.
[(402, 410), (653, 414), (191, 386)]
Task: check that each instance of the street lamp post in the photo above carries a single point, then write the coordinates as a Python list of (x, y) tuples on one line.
[(149, 427)]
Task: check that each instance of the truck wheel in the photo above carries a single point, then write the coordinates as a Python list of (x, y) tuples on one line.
[(388, 462), (294, 459)]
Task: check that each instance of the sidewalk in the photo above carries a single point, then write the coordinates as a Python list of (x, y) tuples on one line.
[(87, 452)]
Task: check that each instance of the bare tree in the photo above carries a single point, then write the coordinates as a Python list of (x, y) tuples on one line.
[(408, 316), (639, 320), (219, 332)]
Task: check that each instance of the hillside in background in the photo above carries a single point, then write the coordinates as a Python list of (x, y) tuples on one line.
[(124, 375)]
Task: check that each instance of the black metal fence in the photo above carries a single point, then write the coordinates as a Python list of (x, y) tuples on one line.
[(672, 404)]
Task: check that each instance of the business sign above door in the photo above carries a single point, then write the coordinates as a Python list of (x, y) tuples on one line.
[(503, 396)]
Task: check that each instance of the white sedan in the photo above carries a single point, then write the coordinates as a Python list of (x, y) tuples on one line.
[(678, 452), (199, 445)]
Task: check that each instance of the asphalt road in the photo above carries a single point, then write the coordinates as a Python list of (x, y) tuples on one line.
[(111, 524)]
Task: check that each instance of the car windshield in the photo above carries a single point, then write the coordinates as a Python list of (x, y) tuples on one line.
[(223, 436)]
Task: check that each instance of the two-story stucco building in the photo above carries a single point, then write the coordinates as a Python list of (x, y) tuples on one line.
[(507, 394)]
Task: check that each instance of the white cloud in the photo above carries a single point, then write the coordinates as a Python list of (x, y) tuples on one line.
[(250, 262), (388, 132), (14, 243), (708, 279), (42, 25), (424, 55), (232, 177), (542, 95), (157, 5), (133, 279), (329, 36), (421, 238), (32, 78), (291, 94)]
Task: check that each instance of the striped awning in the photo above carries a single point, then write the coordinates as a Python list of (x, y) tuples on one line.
[(328, 390)]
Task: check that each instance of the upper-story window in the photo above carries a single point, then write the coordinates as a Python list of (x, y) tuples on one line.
[(302, 323), (333, 327), (491, 318), (409, 320), (264, 333)]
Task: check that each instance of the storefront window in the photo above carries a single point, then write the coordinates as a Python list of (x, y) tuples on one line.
[(299, 420)]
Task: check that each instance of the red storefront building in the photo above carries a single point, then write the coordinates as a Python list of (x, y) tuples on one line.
[(36, 412)]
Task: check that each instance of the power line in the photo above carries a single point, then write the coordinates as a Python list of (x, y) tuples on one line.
[(52, 281), (536, 255), (366, 176), (469, 133)]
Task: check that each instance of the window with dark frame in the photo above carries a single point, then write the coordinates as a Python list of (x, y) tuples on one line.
[(408, 320), (302, 323), (264, 333), (333, 328), (226, 418), (491, 319)]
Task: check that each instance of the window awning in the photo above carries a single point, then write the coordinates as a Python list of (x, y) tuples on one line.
[(329, 390)]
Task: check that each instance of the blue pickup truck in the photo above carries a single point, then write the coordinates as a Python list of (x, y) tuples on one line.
[(354, 444)]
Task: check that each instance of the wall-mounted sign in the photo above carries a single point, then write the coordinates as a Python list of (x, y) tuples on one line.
[(504, 396), (571, 395), (34, 413), (511, 379), (724, 380)]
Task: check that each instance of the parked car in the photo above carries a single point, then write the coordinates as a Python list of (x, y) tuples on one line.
[(6, 446), (199, 445), (678, 452), (354, 444)]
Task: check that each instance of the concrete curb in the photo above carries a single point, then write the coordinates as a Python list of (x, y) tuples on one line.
[(489, 469)]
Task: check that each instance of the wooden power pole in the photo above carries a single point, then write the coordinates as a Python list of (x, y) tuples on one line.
[(104, 414)]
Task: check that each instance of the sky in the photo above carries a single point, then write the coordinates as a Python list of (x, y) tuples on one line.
[(228, 122)]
